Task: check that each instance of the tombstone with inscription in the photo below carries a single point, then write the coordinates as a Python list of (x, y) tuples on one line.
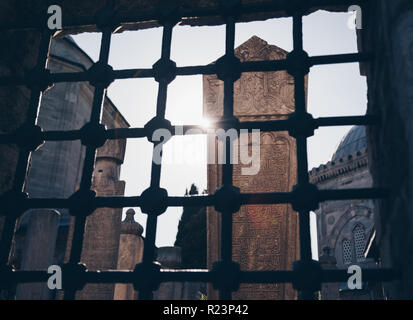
[(265, 237)]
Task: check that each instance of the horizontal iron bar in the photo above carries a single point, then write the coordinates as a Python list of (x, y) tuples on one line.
[(265, 126), (278, 276), (340, 58), (247, 66), (347, 121), (209, 200), (153, 15)]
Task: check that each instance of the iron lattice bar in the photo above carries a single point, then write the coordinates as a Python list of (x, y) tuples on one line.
[(265, 126), (299, 73), (151, 222), (89, 162), (247, 66), (227, 168), (154, 201), (127, 276), (245, 198)]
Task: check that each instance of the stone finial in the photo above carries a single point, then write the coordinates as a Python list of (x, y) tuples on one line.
[(326, 260), (129, 225), (327, 250)]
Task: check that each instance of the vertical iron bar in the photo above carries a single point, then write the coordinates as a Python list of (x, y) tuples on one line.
[(227, 175), (302, 163), (152, 221), (228, 99), (301, 141), (89, 162), (298, 30)]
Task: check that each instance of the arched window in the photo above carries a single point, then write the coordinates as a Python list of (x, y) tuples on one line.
[(359, 241), (347, 252)]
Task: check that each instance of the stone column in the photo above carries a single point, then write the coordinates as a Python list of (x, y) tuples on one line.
[(265, 237), (103, 227), (130, 254), (329, 291), (39, 247)]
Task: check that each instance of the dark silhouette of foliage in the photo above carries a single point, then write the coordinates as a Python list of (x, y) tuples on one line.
[(191, 235)]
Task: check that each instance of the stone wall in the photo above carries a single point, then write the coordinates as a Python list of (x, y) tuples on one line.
[(389, 35), (337, 219), (343, 227)]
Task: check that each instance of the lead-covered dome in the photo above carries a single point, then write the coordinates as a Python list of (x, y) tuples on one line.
[(353, 141)]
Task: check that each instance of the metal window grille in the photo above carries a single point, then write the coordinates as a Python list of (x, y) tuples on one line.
[(226, 276), (347, 252), (359, 241)]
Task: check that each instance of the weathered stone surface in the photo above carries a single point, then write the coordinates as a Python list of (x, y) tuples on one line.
[(39, 250), (265, 237), (258, 95), (389, 35)]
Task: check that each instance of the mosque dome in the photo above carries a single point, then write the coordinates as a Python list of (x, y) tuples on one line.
[(353, 141)]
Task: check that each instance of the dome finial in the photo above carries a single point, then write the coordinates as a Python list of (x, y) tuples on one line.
[(129, 225)]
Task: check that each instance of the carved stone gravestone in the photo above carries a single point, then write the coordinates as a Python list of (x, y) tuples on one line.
[(265, 237)]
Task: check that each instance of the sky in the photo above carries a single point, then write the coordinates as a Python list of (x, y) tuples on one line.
[(334, 90)]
